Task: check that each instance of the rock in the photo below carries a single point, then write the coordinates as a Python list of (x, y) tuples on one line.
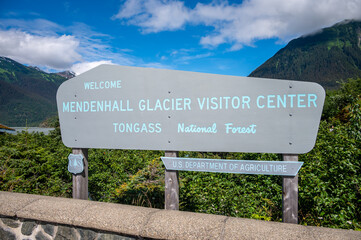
[(49, 229), (106, 236), (87, 234), (65, 233), (7, 235), (41, 236), (11, 222), (28, 227)]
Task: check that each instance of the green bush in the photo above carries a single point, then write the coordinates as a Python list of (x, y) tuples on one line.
[(329, 184), (32, 163)]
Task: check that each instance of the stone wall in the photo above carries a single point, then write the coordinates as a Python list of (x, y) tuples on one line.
[(25, 216), (13, 229)]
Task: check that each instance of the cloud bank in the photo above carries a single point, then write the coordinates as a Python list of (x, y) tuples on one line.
[(39, 50), (79, 68), (38, 43), (239, 24)]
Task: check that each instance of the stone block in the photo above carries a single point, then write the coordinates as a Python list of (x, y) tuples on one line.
[(106, 236), (41, 236), (184, 225), (63, 210), (332, 234), (49, 229), (11, 222), (8, 200), (6, 234), (128, 220), (241, 228), (28, 227), (65, 233), (87, 234)]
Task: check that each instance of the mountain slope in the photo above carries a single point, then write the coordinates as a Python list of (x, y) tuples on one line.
[(325, 57), (27, 94)]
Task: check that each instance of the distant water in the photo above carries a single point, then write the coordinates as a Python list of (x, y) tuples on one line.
[(46, 131)]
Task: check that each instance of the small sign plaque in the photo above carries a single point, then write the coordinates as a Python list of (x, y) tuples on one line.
[(76, 164), (282, 168)]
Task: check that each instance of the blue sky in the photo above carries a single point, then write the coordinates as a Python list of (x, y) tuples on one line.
[(222, 37)]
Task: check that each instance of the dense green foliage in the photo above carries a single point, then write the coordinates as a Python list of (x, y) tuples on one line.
[(34, 163), (324, 57), (27, 95), (329, 181)]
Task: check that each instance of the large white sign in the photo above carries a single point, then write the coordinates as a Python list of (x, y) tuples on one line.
[(152, 109)]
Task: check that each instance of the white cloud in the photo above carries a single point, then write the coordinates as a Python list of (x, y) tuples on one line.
[(40, 27), (79, 68), (154, 15), (52, 52), (82, 67), (185, 56), (240, 24), (53, 47), (156, 65), (193, 57)]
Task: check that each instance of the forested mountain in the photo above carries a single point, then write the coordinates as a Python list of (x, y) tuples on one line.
[(325, 57), (27, 94)]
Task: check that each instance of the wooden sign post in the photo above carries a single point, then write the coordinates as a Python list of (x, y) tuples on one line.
[(290, 194), (80, 181), (171, 186)]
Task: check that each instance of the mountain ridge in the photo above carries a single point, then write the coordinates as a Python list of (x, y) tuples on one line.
[(27, 94), (326, 57)]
